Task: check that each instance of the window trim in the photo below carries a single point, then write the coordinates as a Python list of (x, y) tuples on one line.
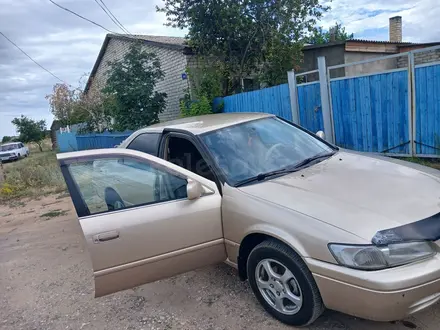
[(79, 203), (200, 146)]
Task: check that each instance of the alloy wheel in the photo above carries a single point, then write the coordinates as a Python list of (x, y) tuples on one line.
[(278, 286)]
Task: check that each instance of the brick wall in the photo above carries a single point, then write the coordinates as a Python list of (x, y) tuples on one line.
[(173, 63), (420, 58)]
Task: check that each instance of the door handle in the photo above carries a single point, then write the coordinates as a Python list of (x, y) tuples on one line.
[(107, 236)]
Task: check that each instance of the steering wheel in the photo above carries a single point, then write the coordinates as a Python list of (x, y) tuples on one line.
[(272, 150), (113, 200)]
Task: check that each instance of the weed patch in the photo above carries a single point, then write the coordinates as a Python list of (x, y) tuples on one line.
[(54, 213), (33, 176)]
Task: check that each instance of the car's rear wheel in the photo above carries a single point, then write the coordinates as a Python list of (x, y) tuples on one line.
[(283, 284)]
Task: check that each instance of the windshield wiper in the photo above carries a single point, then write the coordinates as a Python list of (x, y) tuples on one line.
[(263, 176), (290, 169), (311, 159)]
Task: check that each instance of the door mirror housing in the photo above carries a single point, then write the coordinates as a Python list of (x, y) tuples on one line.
[(194, 189), (320, 134)]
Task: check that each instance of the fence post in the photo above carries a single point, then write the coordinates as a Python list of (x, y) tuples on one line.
[(293, 96), (411, 104), (325, 102)]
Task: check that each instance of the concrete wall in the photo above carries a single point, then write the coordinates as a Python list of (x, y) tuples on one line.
[(334, 55), (372, 67), (173, 63)]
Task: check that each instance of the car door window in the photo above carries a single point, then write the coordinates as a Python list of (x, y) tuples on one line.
[(109, 184), (147, 142)]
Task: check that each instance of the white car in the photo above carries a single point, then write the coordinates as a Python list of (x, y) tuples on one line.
[(13, 151)]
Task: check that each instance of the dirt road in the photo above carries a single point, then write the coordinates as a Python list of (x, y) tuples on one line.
[(46, 283)]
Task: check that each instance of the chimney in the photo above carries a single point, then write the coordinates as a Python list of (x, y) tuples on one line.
[(396, 29), (332, 33)]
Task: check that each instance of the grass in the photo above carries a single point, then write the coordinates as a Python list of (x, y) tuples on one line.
[(434, 163), (54, 213), (33, 176)]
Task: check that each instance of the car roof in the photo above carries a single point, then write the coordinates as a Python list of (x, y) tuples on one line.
[(8, 144), (206, 123)]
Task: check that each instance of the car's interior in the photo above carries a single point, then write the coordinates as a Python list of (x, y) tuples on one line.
[(184, 153)]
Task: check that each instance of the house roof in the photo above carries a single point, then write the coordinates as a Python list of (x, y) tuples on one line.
[(162, 40), (177, 43), (364, 41)]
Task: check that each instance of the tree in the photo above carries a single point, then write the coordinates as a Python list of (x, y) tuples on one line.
[(6, 139), (71, 105), (62, 102), (250, 37), (335, 33), (131, 82), (30, 130)]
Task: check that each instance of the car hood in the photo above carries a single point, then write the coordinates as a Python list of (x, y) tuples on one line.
[(357, 193), (2, 153)]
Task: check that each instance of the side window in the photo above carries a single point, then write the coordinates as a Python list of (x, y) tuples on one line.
[(20, 145), (147, 142), (117, 183)]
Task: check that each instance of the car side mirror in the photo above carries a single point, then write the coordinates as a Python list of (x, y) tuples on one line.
[(193, 189), (320, 134)]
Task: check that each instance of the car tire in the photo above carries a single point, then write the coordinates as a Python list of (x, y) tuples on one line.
[(308, 305)]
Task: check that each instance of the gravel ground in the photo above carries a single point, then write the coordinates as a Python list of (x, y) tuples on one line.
[(46, 282)]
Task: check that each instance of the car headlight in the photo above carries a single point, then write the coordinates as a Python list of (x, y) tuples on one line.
[(371, 257)]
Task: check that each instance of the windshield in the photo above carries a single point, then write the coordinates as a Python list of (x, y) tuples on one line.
[(246, 150), (8, 147)]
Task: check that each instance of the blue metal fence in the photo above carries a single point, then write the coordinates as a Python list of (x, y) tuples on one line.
[(309, 106), (427, 114), (370, 113), (100, 140), (66, 141), (275, 100)]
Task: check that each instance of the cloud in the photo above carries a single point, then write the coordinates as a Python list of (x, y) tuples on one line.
[(370, 18), (68, 46)]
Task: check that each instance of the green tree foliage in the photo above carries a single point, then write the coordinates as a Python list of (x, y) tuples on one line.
[(206, 85), (30, 130), (251, 37), (131, 82), (321, 36), (6, 139)]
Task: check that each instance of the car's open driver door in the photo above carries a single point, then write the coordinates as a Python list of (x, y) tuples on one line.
[(140, 219)]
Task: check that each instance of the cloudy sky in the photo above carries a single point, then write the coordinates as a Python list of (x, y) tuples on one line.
[(68, 46)]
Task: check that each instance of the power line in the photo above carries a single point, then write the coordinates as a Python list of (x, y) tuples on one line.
[(53, 75), (88, 20), (115, 20)]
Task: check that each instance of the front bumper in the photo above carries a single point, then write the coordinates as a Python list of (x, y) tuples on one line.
[(8, 158), (385, 295)]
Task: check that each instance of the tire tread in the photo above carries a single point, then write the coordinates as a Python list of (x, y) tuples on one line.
[(282, 248)]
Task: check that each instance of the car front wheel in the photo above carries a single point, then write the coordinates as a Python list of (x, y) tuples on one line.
[(283, 284)]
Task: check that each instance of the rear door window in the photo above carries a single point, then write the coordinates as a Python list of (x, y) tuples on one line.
[(147, 142)]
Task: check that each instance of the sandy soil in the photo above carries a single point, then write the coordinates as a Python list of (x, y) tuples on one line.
[(46, 282)]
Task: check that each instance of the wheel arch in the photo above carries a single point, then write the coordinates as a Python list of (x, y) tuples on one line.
[(256, 236)]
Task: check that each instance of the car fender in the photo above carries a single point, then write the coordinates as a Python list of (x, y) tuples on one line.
[(280, 234)]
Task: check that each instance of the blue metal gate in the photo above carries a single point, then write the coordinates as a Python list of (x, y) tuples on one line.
[(427, 109), (309, 106), (370, 112)]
